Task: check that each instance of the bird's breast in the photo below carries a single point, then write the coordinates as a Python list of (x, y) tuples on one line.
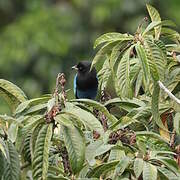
[(86, 81)]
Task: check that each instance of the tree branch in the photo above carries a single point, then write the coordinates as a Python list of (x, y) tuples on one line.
[(161, 85)]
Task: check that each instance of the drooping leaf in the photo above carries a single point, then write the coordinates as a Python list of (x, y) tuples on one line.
[(34, 135), (41, 154), (75, 145), (142, 56), (32, 122), (168, 174), (11, 93), (12, 166), (104, 75), (29, 103), (156, 61), (125, 103), (96, 148), (111, 37), (101, 169), (85, 117), (123, 78), (138, 83), (121, 166), (26, 149), (99, 107), (150, 134), (149, 171), (138, 166), (153, 24), (12, 132)]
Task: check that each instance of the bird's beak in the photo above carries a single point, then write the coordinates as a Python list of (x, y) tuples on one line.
[(75, 67)]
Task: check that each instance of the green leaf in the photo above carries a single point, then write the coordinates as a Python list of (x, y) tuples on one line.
[(34, 135), (64, 119), (11, 93), (150, 134), (12, 132), (167, 162), (154, 17), (75, 145), (149, 172), (40, 160), (2, 164), (102, 53), (29, 103), (122, 123), (138, 83), (12, 166), (33, 121), (88, 119), (103, 168), (155, 103), (96, 148), (104, 75), (138, 167), (26, 149), (125, 103), (2, 148), (152, 25), (121, 166), (168, 174), (142, 56), (123, 79), (156, 61), (177, 123), (112, 37), (97, 106)]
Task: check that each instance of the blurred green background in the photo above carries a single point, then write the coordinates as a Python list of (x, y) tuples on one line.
[(40, 38)]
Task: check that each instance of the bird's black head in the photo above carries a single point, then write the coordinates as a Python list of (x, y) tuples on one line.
[(83, 66)]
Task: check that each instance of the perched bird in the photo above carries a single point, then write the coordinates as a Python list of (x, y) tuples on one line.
[(85, 81)]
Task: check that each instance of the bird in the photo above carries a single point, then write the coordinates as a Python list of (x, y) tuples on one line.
[(85, 81)]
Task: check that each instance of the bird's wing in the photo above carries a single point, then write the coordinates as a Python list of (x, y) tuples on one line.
[(75, 86)]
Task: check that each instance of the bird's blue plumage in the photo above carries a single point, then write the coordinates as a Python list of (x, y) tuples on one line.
[(85, 81), (90, 93)]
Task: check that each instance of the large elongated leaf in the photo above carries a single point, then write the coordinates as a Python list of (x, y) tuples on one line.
[(150, 134), (122, 165), (41, 154), (75, 144), (138, 166), (32, 122), (155, 103), (12, 166), (96, 148), (152, 25), (29, 103), (142, 56), (125, 103), (104, 74), (149, 172), (169, 174), (2, 164), (103, 168), (11, 93), (155, 58), (154, 17), (99, 107), (123, 79), (111, 37), (85, 117)]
